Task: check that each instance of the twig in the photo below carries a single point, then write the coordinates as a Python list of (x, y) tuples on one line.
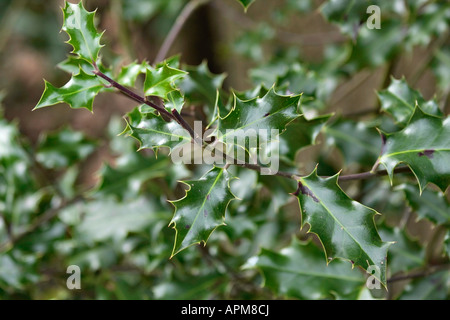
[(425, 273), (179, 23)]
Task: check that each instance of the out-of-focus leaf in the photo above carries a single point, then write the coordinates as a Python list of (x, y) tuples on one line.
[(405, 254), (300, 271), (429, 205), (202, 209), (424, 146), (400, 100), (246, 3), (345, 227), (189, 288), (432, 287), (358, 142), (441, 67), (79, 92), (63, 148)]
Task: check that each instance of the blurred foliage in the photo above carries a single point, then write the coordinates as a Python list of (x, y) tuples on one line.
[(117, 230)]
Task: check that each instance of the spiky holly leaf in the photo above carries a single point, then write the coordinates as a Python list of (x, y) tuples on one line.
[(345, 227), (246, 3), (84, 37), (260, 119), (79, 92), (202, 209), (423, 145), (399, 99), (153, 132), (160, 81), (175, 100), (299, 271), (430, 204)]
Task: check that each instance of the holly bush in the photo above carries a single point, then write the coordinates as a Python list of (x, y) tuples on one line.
[(265, 193)]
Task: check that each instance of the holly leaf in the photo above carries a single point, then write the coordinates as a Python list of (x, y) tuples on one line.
[(160, 81), (345, 227), (202, 209), (432, 287), (83, 36), (175, 100), (400, 100), (153, 132), (299, 271), (423, 145), (78, 93), (246, 3), (430, 204), (256, 118), (129, 73)]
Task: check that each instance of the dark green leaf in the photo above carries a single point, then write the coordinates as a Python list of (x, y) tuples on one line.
[(160, 81), (345, 227), (424, 146), (433, 287), (300, 271), (202, 210)]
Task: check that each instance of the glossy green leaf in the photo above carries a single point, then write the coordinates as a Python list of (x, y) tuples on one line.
[(345, 227), (406, 254), (129, 73), (79, 92), (429, 205), (175, 100), (160, 81), (299, 271), (63, 148), (153, 132), (432, 287), (202, 210), (423, 145), (256, 118), (400, 100), (80, 26)]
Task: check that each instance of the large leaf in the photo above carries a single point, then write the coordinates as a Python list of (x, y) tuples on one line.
[(257, 117), (400, 100), (432, 287), (299, 271), (430, 204), (79, 25), (153, 132), (345, 227), (202, 210), (423, 145), (160, 81), (79, 92)]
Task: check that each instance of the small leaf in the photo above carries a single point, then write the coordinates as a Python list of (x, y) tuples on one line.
[(345, 227), (153, 132), (129, 73), (160, 81), (246, 3), (257, 116), (202, 210), (79, 92), (175, 100), (400, 100), (299, 271), (430, 204), (79, 25), (423, 145)]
